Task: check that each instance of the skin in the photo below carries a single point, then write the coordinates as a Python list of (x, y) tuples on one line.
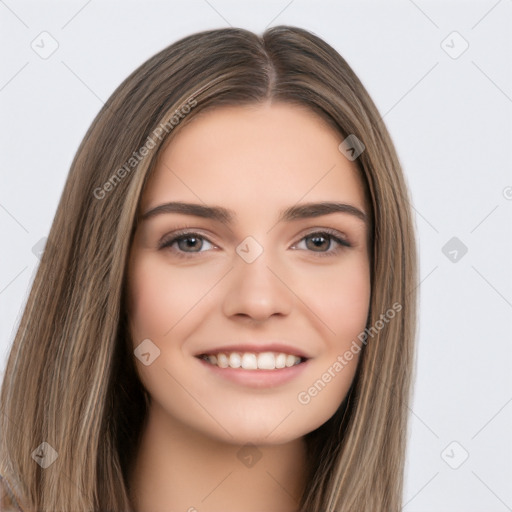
[(255, 160)]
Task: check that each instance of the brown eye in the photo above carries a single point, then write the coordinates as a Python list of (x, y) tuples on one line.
[(186, 243), (318, 242), (323, 243), (190, 243)]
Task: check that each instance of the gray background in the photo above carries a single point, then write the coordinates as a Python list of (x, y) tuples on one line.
[(449, 113)]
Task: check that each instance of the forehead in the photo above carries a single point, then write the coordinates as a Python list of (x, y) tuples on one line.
[(244, 155)]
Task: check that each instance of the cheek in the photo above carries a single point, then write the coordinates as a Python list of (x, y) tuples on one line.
[(159, 296), (341, 298), (150, 310), (348, 302)]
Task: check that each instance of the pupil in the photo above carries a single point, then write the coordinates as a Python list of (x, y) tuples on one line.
[(319, 242), (190, 243)]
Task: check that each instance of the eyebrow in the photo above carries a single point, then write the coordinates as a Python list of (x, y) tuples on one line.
[(225, 216)]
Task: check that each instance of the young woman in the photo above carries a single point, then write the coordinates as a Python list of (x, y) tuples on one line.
[(224, 315)]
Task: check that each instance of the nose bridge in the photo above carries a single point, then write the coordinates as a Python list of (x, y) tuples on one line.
[(254, 289)]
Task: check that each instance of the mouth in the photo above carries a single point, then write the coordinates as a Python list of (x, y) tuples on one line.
[(252, 360), (262, 366)]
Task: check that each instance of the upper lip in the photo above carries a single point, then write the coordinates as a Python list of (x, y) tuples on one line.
[(256, 349)]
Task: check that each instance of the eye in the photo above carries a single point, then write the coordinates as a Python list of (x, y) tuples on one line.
[(187, 242), (323, 242), (184, 243)]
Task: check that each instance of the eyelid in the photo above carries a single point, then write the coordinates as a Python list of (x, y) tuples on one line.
[(334, 233), (336, 236), (340, 241), (169, 238)]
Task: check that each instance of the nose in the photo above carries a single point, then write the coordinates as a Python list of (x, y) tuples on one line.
[(257, 291)]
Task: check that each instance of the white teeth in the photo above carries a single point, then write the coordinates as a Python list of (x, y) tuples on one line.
[(235, 361), (251, 361), (222, 360), (266, 361), (290, 361), (280, 360)]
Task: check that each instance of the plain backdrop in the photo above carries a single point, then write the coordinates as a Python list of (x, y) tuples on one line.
[(440, 74)]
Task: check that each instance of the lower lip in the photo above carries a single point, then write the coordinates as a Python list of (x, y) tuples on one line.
[(257, 378)]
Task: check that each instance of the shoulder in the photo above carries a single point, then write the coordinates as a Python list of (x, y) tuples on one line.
[(8, 499)]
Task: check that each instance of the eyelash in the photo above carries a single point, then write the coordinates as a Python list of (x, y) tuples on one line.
[(184, 234)]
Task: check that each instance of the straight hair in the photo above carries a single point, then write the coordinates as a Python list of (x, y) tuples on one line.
[(71, 380)]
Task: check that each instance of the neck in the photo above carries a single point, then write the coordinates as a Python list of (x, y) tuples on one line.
[(179, 469)]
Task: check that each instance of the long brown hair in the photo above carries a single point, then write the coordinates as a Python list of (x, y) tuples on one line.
[(70, 379)]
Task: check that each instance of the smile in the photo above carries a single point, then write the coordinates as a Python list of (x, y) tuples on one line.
[(253, 361)]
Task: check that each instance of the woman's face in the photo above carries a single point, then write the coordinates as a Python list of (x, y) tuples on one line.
[(236, 262)]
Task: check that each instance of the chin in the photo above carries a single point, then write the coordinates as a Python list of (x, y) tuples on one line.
[(271, 431)]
